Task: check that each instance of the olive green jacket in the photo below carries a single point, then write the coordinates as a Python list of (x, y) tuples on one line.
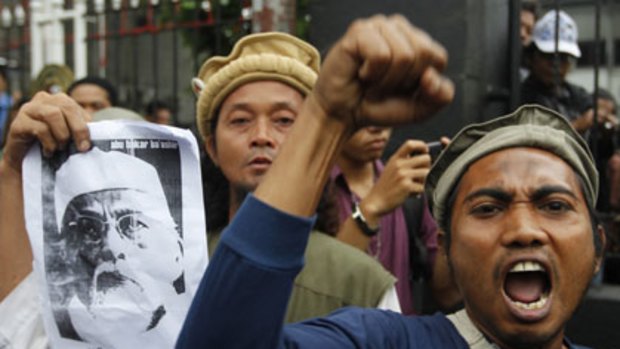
[(335, 275)]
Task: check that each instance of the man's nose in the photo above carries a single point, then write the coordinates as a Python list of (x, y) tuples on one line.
[(523, 227), (262, 134), (113, 246)]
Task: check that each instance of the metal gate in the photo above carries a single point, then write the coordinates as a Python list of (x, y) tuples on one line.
[(149, 49)]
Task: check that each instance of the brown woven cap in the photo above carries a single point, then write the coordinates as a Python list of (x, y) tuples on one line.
[(529, 126), (264, 56)]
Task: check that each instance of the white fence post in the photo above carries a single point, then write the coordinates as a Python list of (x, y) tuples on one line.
[(48, 37), (80, 51)]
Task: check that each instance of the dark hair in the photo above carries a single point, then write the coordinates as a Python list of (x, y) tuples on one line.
[(215, 194), (155, 105), (101, 82), (531, 6), (595, 221)]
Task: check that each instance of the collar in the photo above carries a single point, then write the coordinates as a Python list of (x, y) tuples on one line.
[(466, 328), (472, 335)]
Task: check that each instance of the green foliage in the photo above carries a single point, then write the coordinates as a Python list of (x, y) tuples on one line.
[(208, 32), (222, 26), (302, 23)]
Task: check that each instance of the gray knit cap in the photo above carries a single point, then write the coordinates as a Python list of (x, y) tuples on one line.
[(529, 126)]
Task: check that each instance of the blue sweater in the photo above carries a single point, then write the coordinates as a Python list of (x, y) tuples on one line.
[(243, 296)]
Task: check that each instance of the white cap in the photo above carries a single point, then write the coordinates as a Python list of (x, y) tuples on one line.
[(544, 34), (98, 170)]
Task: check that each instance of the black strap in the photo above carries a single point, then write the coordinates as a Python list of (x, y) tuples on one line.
[(413, 210)]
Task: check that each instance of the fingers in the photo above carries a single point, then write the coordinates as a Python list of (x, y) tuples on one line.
[(50, 119), (393, 41), (445, 141), (411, 146), (383, 71), (42, 123), (64, 120), (412, 161), (369, 46), (399, 70), (435, 91), (76, 117), (413, 179)]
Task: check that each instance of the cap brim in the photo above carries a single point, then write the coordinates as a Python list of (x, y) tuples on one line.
[(563, 47)]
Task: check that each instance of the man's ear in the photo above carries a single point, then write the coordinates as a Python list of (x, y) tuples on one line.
[(211, 149), (600, 252)]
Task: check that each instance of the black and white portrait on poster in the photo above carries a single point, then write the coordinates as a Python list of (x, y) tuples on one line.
[(115, 262)]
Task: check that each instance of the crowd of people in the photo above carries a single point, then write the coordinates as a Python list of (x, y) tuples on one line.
[(314, 242)]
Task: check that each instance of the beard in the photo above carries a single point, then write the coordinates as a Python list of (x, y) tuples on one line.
[(119, 307)]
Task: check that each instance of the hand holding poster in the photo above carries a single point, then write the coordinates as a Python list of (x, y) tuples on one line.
[(118, 236)]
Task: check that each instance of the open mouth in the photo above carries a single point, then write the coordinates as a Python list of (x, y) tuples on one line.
[(527, 285)]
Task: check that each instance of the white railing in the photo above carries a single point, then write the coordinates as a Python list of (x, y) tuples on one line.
[(47, 37)]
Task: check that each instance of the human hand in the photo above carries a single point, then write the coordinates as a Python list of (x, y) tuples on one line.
[(383, 71), (584, 122), (50, 119), (403, 175), (607, 121)]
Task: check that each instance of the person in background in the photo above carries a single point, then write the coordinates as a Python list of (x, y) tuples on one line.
[(528, 17), (53, 78), (158, 112), (609, 164), (546, 84), (370, 201), (93, 93)]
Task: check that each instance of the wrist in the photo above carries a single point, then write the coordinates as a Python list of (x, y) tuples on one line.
[(370, 212), (324, 114), (7, 171), (362, 223)]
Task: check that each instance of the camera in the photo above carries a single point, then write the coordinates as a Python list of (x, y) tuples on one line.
[(434, 149)]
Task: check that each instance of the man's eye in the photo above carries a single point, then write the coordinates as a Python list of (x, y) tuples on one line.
[(486, 210), (131, 224), (90, 229), (555, 206), (239, 121), (285, 120)]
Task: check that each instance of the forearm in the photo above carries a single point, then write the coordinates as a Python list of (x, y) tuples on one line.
[(295, 180), (15, 252), (247, 285)]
